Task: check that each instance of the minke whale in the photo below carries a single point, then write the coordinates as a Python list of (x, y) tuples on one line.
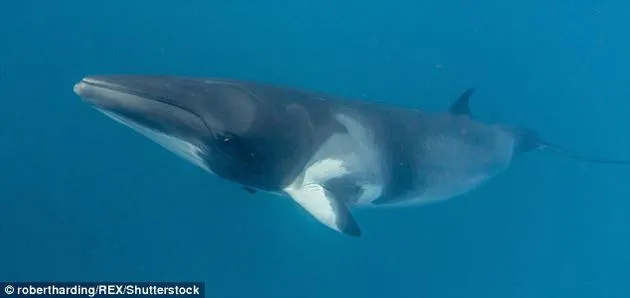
[(326, 153)]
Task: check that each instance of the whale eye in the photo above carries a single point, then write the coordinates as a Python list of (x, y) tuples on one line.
[(234, 145), (226, 137)]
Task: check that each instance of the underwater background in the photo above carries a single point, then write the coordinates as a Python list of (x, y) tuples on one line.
[(84, 198)]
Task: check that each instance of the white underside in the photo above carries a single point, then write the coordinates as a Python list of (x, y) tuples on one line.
[(442, 187), (453, 168)]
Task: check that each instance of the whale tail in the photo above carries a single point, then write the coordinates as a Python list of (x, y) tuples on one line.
[(529, 140)]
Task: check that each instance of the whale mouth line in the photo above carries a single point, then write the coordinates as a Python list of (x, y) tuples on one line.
[(80, 87), (88, 86)]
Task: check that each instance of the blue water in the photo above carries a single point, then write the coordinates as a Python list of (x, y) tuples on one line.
[(84, 198)]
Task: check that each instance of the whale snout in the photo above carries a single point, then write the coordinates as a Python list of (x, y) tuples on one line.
[(143, 102)]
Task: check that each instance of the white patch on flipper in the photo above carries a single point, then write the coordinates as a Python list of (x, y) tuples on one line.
[(351, 156), (183, 149), (314, 199)]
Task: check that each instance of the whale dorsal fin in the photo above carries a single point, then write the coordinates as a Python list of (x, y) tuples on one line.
[(462, 105)]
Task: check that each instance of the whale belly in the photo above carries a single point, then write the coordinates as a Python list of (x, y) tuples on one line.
[(449, 166), (439, 186)]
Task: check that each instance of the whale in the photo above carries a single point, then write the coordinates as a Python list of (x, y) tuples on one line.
[(326, 153)]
